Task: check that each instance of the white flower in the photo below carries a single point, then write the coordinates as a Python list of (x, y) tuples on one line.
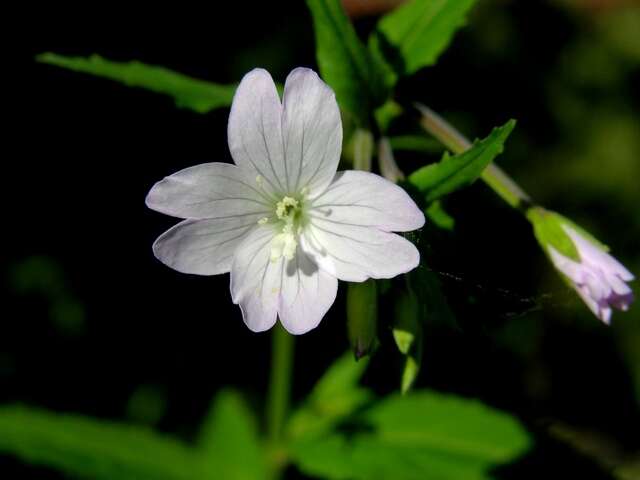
[(281, 220), (598, 278)]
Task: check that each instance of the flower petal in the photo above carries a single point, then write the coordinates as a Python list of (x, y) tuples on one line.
[(365, 199), (355, 253), (255, 279), (203, 247), (307, 293), (254, 131), (312, 132), (296, 290), (210, 190), (597, 257)]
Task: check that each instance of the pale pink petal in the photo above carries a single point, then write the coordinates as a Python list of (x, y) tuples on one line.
[(254, 131), (203, 247), (209, 190), (355, 253), (307, 293), (312, 132), (365, 199)]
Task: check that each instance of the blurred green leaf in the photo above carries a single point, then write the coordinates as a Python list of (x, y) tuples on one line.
[(416, 143), (229, 440), (414, 437), (415, 34), (386, 114), (439, 216), (407, 333), (147, 404), (457, 171), (362, 316), (358, 79), (92, 448), (334, 397), (197, 95)]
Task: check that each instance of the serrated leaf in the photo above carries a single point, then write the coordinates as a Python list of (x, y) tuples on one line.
[(229, 441), (457, 171), (421, 435), (415, 34), (334, 397), (357, 78), (96, 449), (198, 95)]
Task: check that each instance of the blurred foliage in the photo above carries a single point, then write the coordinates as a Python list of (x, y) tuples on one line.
[(43, 277), (420, 435)]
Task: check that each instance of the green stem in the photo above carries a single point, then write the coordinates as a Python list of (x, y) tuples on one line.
[(279, 383), (493, 175)]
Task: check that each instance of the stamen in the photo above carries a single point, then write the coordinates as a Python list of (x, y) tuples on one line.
[(263, 220)]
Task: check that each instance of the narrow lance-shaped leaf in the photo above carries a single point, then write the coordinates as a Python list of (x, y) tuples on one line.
[(458, 171), (413, 437), (198, 95), (229, 441), (415, 34), (94, 449), (358, 79)]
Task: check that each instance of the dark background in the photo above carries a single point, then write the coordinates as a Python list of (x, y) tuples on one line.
[(92, 323)]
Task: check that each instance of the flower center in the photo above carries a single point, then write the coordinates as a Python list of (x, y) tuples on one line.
[(288, 221)]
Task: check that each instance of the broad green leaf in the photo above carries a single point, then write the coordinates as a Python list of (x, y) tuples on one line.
[(334, 397), (415, 34), (439, 216), (362, 316), (418, 436), (358, 79), (229, 441), (95, 449), (198, 95), (457, 171)]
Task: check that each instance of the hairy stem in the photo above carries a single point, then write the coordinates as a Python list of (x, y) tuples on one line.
[(493, 175)]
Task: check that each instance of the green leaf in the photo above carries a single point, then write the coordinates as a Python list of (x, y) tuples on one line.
[(414, 35), (416, 143), (414, 437), (229, 440), (334, 397), (95, 449), (197, 95), (407, 333), (439, 216), (358, 79), (457, 171)]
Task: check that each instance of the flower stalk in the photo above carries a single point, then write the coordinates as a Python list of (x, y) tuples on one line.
[(503, 185), (279, 391)]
